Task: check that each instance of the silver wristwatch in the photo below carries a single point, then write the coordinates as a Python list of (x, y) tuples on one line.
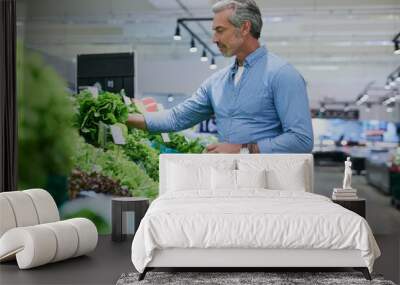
[(244, 149)]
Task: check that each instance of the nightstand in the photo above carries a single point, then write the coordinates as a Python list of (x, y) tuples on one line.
[(356, 205), (121, 209)]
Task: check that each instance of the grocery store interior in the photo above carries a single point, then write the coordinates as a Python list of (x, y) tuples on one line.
[(156, 53)]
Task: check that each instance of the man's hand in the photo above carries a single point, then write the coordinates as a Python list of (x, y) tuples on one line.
[(223, 148), (136, 121)]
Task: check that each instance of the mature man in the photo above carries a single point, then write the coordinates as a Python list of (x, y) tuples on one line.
[(259, 101)]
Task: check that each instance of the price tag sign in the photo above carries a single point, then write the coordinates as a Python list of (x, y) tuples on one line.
[(117, 135), (94, 91), (165, 137), (127, 100)]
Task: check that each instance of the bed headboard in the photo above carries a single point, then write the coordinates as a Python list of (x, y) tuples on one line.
[(213, 158)]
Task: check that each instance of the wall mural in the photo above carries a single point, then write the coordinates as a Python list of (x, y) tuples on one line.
[(77, 146)]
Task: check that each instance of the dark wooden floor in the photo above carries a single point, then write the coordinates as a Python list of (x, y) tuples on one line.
[(110, 260), (102, 266)]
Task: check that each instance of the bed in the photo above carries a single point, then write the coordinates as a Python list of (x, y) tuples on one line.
[(246, 211)]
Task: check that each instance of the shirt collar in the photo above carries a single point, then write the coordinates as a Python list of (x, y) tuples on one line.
[(250, 59)]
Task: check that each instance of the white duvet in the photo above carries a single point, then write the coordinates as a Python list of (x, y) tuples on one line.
[(256, 218)]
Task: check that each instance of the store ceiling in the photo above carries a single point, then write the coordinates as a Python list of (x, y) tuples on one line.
[(339, 46)]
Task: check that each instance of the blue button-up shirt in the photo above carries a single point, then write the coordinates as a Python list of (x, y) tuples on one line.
[(268, 106)]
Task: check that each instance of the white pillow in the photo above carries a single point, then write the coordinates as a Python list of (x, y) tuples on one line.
[(227, 179), (187, 175), (251, 178), (281, 174), (223, 179), (293, 180), (183, 178)]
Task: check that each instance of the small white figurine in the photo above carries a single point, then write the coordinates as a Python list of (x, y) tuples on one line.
[(347, 174)]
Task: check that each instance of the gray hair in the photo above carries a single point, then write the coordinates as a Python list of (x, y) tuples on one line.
[(243, 10)]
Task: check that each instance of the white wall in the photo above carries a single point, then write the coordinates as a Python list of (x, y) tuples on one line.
[(170, 75)]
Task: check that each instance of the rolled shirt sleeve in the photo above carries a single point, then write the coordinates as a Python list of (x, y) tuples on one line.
[(184, 115), (290, 97)]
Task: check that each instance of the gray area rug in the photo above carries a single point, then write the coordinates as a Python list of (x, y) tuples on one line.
[(231, 278)]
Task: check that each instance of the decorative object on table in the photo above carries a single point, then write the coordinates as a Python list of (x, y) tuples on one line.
[(356, 205), (31, 231), (347, 174), (344, 194), (347, 192), (247, 278), (123, 210)]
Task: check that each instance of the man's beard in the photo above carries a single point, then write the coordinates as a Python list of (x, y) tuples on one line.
[(225, 52), (231, 52)]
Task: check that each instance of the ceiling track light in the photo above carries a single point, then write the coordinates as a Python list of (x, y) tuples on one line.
[(204, 57), (368, 107), (364, 96), (177, 36), (213, 65), (396, 48), (398, 77), (396, 41), (393, 79), (389, 101), (363, 99), (181, 23), (193, 47)]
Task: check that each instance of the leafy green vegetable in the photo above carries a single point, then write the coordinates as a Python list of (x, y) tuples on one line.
[(45, 122), (133, 109), (94, 112), (94, 181), (115, 164), (178, 142), (143, 154), (107, 108)]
